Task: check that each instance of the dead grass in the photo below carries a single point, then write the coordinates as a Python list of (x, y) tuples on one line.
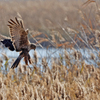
[(69, 81)]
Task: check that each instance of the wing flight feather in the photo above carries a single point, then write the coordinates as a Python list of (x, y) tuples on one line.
[(18, 34)]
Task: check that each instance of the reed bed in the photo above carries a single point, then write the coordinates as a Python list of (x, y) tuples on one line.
[(68, 77), (62, 80)]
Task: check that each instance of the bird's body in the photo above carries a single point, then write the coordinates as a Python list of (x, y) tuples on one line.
[(18, 41)]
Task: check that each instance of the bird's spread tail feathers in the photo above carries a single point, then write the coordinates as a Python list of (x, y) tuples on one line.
[(15, 64)]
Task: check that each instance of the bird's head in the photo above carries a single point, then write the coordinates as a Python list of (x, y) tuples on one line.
[(33, 46), (27, 31)]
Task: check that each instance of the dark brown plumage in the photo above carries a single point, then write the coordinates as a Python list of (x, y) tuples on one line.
[(19, 41)]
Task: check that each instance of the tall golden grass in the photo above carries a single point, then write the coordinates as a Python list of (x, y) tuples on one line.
[(57, 81)]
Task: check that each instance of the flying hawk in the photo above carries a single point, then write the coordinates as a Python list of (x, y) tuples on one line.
[(18, 41)]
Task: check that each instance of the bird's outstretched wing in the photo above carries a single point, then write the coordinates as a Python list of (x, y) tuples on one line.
[(7, 42), (18, 34)]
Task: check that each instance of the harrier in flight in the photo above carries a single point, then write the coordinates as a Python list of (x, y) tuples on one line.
[(18, 41)]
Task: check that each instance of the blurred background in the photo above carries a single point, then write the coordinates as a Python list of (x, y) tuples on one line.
[(46, 18)]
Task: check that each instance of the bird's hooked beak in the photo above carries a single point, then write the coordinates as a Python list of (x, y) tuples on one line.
[(33, 46)]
